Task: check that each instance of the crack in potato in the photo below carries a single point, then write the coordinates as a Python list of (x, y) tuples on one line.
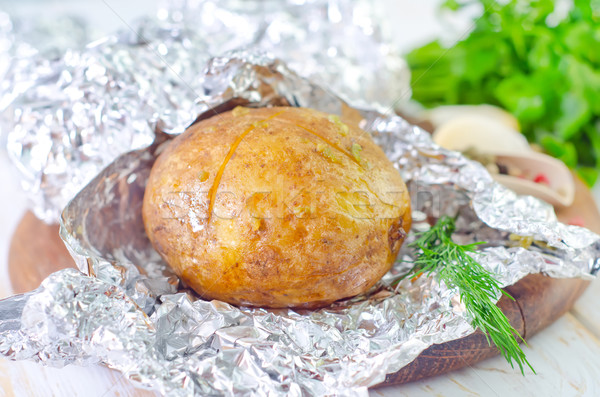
[(212, 192)]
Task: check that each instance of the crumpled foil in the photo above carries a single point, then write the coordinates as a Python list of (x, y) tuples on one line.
[(68, 117), (127, 310)]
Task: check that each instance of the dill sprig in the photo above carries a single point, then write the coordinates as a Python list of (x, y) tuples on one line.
[(438, 254)]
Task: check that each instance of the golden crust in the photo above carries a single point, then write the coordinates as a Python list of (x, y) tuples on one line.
[(276, 207)]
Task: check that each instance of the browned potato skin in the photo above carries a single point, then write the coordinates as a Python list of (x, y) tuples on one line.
[(269, 207)]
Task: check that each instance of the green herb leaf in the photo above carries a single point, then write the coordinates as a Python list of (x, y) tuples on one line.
[(521, 55), (588, 174), (452, 263)]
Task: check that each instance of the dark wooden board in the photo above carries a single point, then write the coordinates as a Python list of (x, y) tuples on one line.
[(36, 251)]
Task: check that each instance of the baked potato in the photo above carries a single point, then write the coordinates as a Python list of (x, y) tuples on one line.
[(276, 207)]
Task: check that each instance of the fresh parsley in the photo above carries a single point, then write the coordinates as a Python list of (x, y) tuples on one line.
[(523, 56)]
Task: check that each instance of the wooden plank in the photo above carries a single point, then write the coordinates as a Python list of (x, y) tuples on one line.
[(23, 378), (565, 357), (587, 309)]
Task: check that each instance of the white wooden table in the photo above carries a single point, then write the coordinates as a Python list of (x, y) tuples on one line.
[(566, 355)]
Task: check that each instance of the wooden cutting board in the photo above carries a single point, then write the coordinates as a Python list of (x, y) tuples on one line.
[(36, 251)]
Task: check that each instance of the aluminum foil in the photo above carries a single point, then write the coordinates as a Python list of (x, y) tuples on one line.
[(126, 309), (67, 117)]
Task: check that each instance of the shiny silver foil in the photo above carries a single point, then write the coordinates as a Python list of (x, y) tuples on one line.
[(126, 309), (67, 117)]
